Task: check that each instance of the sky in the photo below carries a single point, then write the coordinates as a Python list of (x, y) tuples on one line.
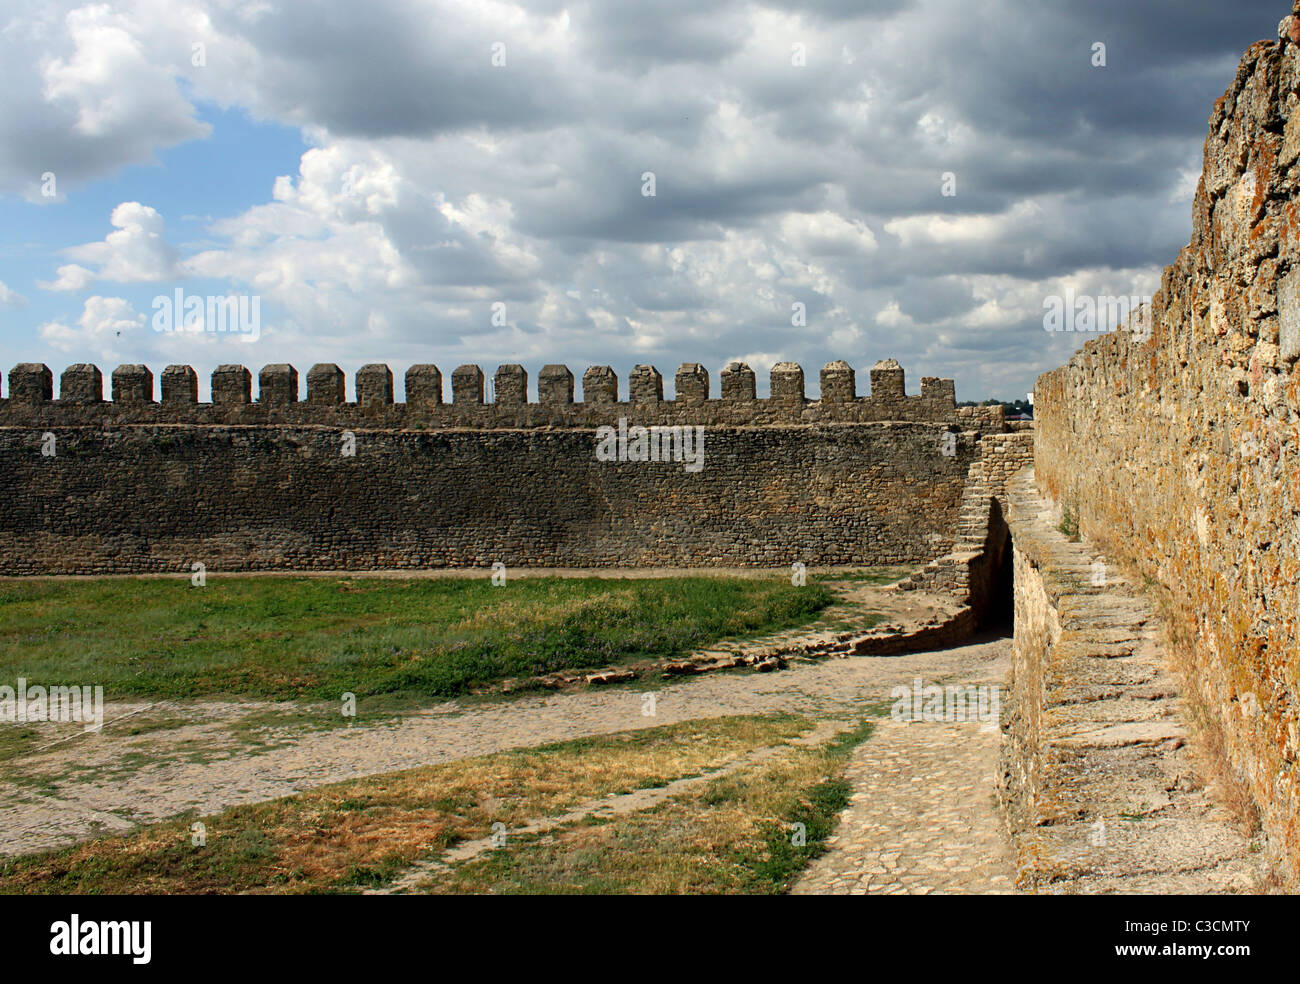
[(597, 183)]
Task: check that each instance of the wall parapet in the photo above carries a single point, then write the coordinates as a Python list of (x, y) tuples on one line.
[(30, 398)]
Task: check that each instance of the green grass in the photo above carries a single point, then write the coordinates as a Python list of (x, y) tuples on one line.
[(1069, 524), (816, 807), (284, 638)]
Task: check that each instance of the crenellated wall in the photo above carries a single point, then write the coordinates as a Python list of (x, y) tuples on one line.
[(280, 399), (1180, 453), (133, 485)]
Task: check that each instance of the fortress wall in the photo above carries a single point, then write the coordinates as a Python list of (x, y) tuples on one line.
[(136, 486), (1181, 453), (276, 396)]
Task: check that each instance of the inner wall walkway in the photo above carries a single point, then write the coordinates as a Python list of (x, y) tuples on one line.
[(1091, 769), (1103, 792)]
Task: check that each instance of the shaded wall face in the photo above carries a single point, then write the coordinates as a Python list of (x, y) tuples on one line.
[(144, 498), (1181, 453)]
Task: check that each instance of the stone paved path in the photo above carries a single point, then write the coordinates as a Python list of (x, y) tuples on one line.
[(923, 818)]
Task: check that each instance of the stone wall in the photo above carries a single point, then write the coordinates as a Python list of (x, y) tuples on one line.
[(238, 484), (976, 568), (1180, 452)]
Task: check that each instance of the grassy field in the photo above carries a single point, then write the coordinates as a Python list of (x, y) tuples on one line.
[(729, 834), (282, 638)]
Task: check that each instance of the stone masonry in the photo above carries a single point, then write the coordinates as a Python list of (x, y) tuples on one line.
[(265, 482), (973, 569)]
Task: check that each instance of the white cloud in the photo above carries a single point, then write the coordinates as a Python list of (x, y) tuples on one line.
[(1184, 190), (11, 298), (103, 321), (940, 229), (83, 91), (108, 80), (826, 233), (890, 316), (136, 252), (70, 277)]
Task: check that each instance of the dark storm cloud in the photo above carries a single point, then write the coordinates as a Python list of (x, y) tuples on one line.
[(842, 10), (636, 36), (934, 299), (397, 68)]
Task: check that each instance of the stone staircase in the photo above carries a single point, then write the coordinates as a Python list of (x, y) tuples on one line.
[(970, 572), (951, 573), (1097, 779)]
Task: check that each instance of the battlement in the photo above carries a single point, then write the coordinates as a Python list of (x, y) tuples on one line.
[(30, 398), (485, 473)]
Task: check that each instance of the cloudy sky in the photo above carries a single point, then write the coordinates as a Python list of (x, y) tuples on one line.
[(437, 181)]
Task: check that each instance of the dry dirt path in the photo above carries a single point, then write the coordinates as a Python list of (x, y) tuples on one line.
[(113, 782)]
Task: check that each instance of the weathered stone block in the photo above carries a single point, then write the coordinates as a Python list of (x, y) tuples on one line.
[(739, 385), (424, 386), (692, 383), (180, 384), (838, 383), (467, 386), (599, 385), (786, 382), (132, 384), (82, 383), (326, 385), (1288, 311), (511, 384), (374, 385), (942, 391), (645, 385), (887, 381), (277, 384), (232, 384), (555, 385), (31, 382)]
